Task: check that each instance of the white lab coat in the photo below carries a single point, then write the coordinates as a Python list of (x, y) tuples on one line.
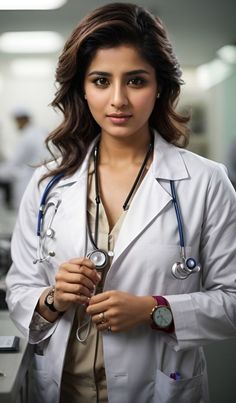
[(30, 151), (230, 161), (139, 362)]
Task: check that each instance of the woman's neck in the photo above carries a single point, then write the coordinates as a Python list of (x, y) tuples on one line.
[(122, 152)]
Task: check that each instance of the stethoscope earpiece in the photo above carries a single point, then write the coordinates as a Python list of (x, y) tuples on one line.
[(50, 233), (43, 259), (51, 253)]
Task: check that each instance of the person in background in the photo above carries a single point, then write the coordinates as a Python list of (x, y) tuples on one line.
[(116, 292), (29, 151)]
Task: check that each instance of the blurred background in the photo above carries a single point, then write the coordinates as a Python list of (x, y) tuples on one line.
[(204, 38), (32, 34)]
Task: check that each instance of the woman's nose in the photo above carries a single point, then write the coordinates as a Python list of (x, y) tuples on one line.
[(119, 97)]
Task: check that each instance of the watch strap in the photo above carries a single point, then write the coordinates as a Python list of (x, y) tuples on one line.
[(160, 300)]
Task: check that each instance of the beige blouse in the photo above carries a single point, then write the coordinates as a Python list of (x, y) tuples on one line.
[(84, 373)]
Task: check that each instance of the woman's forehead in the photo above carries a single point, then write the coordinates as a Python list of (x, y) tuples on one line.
[(123, 57)]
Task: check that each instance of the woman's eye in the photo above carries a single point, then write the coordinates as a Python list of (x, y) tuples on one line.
[(101, 82), (136, 82)]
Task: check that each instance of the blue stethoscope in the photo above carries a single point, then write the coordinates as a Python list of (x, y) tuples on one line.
[(180, 270)]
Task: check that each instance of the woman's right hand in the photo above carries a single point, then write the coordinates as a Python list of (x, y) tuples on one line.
[(75, 282)]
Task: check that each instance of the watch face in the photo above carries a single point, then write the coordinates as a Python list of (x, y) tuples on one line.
[(50, 298), (162, 317)]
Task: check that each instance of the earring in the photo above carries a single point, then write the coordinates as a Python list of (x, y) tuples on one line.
[(158, 95), (85, 96)]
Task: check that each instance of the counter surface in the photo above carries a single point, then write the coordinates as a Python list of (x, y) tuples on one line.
[(13, 365)]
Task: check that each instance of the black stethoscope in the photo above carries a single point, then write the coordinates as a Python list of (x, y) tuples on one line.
[(181, 269), (99, 256)]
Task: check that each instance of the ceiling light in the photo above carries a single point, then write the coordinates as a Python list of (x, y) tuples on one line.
[(228, 53), (32, 67), (31, 4), (30, 42)]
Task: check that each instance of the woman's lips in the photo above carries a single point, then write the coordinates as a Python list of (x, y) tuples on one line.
[(119, 119)]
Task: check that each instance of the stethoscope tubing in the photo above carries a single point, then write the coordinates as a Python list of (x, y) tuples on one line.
[(182, 266), (43, 200), (178, 215), (57, 178)]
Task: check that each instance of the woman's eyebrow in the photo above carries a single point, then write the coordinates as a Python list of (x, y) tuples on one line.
[(128, 73)]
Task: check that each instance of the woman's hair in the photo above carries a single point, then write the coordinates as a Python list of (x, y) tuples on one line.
[(109, 26)]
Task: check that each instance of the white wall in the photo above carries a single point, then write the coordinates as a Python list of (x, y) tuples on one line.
[(219, 104), (222, 116)]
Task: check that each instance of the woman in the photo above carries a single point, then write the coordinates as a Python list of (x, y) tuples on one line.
[(116, 303)]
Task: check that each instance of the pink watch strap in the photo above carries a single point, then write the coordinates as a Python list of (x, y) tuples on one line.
[(160, 300)]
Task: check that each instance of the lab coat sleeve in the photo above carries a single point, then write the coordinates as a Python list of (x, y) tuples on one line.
[(231, 162), (26, 281), (210, 314)]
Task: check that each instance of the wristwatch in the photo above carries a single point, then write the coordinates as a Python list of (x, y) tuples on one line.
[(49, 300), (161, 315)]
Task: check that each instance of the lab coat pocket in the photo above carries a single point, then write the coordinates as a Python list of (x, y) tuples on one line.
[(119, 382), (168, 390)]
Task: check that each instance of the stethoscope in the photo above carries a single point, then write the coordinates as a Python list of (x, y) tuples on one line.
[(45, 204), (180, 270), (186, 266), (100, 257)]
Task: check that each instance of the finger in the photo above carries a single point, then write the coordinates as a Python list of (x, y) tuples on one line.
[(101, 318), (65, 298), (83, 261), (103, 326), (72, 273), (77, 289), (103, 296), (74, 279), (95, 309)]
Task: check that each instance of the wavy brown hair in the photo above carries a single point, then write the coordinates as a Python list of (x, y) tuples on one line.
[(109, 26)]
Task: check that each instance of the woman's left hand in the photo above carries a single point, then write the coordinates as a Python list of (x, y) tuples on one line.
[(119, 311)]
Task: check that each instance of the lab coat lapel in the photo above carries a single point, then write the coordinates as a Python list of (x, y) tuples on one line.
[(142, 212), (72, 211), (153, 195)]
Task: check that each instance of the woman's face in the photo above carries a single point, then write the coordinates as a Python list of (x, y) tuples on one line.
[(121, 89)]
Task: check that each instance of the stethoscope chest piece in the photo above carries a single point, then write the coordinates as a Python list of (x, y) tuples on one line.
[(99, 257), (182, 270)]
